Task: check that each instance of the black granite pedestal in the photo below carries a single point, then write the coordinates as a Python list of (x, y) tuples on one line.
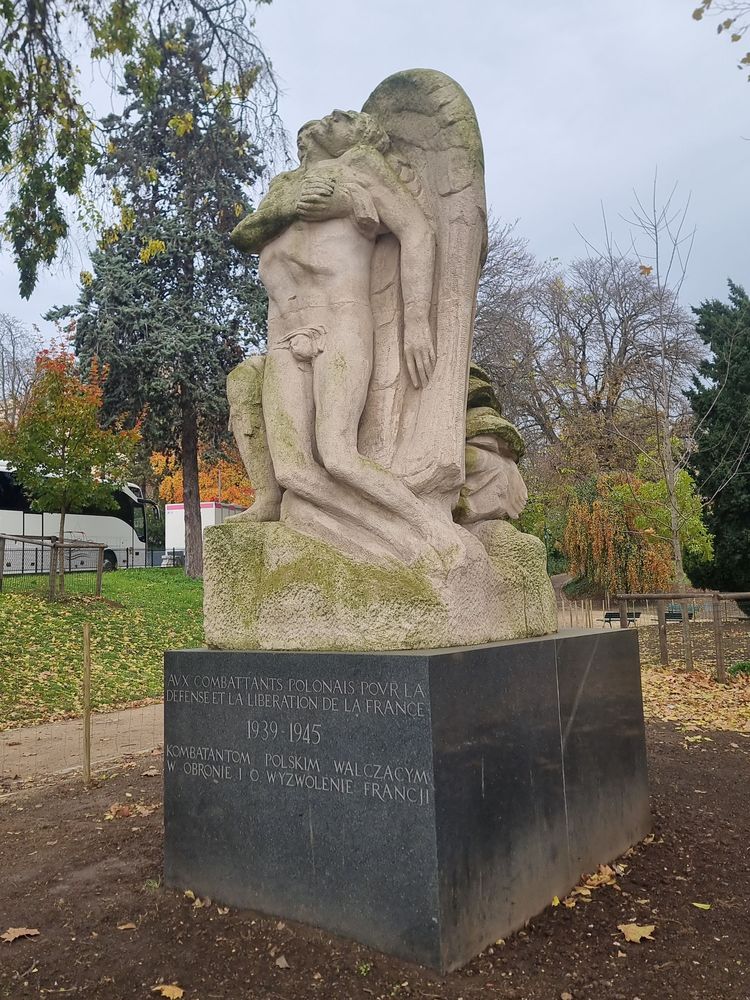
[(424, 803)]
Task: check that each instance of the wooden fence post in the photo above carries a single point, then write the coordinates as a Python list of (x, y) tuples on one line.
[(99, 571), (661, 608), (52, 566), (721, 670), (623, 614), (87, 704)]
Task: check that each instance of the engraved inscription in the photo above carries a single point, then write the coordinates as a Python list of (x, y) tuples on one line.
[(287, 745)]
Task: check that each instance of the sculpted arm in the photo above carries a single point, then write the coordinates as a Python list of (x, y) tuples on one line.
[(400, 213), (275, 212)]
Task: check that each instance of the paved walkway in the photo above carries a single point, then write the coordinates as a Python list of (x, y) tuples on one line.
[(55, 747)]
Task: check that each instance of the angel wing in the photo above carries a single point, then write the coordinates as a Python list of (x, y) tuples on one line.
[(437, 149)]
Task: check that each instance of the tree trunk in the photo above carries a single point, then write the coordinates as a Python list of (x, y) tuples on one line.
[(670, 478), (191, 494), (61, 552)]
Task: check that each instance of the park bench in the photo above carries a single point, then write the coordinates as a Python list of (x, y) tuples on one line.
[(675, 615), (614, 616)]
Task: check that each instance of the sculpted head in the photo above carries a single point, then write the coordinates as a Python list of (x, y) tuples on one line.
[(339, 132)]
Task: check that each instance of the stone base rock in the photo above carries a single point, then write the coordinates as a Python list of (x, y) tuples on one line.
[(268, 586)]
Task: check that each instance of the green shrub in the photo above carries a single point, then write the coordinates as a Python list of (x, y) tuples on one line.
[(740, 669)]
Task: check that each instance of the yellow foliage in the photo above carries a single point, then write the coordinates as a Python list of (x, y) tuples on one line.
[(110, 236), (152, 249), (181, 124), (127, 218), (604, 544)]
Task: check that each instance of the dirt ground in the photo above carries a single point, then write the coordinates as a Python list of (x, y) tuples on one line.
[(108, 930)]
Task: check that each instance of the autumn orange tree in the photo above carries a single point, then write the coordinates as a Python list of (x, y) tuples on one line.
[(63, 458), (219, 479), (608, 541)]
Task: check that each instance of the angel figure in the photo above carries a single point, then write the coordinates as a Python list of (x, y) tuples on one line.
[(364, 312), (382, 517)]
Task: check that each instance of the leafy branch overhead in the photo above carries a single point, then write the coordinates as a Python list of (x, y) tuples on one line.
[(49, 136), (734, 21), (169, 304)]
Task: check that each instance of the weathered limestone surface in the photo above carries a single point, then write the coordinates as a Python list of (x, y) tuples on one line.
[(268, 586), (519, 561), (380, 519)]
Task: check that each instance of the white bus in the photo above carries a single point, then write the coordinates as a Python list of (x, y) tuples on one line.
[(122, 529)]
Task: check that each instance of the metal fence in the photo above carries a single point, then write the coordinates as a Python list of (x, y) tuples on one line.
[(140, 559), (25, 563), (46, 566)]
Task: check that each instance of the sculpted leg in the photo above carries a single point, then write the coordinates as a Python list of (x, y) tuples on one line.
[(341, 376), (290, 421), (244, 392)]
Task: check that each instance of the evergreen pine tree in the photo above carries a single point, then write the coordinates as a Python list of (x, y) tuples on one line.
[(721, 403), (170, 306)]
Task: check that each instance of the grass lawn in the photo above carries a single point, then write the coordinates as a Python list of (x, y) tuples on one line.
[(41, 644)]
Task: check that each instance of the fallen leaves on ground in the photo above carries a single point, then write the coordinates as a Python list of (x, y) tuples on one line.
[(126, 927), (696, 699), (635, 933), (604, 875), (170, 992), (13, 933), (124, 810), (282, 962), (701, 906), (144, 613)]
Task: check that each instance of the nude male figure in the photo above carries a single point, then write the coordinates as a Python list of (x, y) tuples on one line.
[(315, 233)]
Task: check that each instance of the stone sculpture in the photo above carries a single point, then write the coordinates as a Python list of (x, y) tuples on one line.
[(380, 519)]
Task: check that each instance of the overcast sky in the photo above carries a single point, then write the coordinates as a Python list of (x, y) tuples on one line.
[(578, 104)]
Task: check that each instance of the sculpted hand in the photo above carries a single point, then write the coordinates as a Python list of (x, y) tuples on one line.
[(322, 198), (419, 353)]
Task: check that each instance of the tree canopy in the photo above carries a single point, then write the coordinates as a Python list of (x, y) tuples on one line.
[(721, 404), (169, 305), (49, 136), (733, 21), (18, 350), (592, 361), (63, 458)]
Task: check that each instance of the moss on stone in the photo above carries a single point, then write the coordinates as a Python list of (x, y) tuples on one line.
[(414, 90), (245, 382), (520, 564), (343, 581), (278, 421), (253, 570)]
